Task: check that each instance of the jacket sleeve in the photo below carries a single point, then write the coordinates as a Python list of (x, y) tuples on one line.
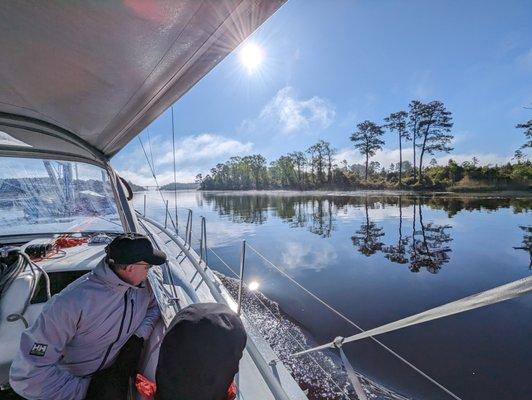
[(35, 373), (150, 320)]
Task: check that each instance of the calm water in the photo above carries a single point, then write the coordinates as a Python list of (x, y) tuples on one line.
[(378, 258)]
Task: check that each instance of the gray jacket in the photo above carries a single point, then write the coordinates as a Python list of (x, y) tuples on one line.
[(80, 331)]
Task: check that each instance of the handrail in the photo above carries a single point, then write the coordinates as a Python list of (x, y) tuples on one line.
[(241, 281), (203, 241), (188, 228), (265, 371)]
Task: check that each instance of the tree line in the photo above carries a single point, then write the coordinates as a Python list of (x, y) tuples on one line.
[(427, 126)]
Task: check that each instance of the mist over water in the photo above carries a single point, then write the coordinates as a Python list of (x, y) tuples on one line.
[(380, 257)]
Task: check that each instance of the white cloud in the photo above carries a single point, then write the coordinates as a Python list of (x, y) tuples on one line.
[(388, 156), (300, 256), (292, 115), (202, 147), (194, 154), (483, 158)]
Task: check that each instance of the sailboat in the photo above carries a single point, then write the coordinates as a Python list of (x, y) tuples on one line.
[(79, 81)]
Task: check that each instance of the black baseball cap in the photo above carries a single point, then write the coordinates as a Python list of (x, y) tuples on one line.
[(132, 248)]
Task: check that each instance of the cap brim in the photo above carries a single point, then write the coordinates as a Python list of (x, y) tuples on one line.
[(157, 258)]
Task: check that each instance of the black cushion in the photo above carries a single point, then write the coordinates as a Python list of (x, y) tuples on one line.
[(200, 353)]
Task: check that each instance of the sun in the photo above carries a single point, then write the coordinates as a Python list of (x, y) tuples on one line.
[(251, 57)]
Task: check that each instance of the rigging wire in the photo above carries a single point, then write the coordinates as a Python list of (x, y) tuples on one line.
[(349, 321), (175, 179), (149, 145), (155, 178)]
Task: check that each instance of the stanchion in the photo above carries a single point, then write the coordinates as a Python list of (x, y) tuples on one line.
[(242, 266)]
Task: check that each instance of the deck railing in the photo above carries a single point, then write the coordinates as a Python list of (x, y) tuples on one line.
[(259, 361)]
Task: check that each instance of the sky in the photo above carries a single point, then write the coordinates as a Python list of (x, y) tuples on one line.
[(328, 65)]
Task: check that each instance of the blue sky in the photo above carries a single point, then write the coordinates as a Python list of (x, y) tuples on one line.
[(329, 65)]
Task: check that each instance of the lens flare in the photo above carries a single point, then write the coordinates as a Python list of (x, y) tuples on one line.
[(254, 285), (251, 57)]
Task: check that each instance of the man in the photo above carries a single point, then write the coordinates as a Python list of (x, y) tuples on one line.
[(81, 330)]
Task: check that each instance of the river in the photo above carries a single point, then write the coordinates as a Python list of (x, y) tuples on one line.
[(378, 257)]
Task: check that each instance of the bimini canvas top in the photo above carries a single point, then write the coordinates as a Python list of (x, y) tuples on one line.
[(85, 77)]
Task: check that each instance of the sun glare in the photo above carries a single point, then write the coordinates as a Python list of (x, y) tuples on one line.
[(251, 57), (254, 285)]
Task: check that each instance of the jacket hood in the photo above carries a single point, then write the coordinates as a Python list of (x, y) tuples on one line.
[(106, 275)]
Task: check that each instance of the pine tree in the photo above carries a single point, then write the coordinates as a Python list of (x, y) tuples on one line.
[(527, 126), (366, 139), (434, 127), (398, 122), (415, 112)]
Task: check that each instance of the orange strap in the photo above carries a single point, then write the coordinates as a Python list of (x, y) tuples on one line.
[(145, 387), (231, 392)]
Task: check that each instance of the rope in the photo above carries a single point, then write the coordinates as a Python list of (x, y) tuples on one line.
[(22, 262), (9, 272), (498, 294), (338, 313)]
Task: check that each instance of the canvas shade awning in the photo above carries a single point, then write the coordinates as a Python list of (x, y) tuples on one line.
[(83, 78)]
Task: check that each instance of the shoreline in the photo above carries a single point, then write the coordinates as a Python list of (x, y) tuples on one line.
[(393, 192)]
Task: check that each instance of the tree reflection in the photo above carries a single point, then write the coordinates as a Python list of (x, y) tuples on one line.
[(397, 253), (367, 238), (429, 248), (321, 219), (526, 244), (298, 219), (246, 209)]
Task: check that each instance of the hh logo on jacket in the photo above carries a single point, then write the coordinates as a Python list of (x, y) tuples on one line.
[(38, 349)]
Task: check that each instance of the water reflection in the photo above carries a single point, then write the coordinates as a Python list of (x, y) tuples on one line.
[(397, 253), (526, 244), (240, 209), (425, 247), (310, 236), (367, 238), (429, 248), (321, 221)]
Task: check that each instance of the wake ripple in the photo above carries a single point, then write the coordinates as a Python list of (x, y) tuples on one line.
[(321, 374)]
